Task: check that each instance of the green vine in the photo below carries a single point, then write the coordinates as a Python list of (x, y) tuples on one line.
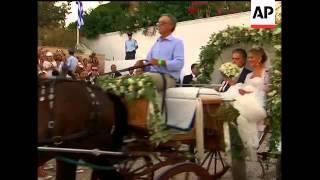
[(137, 87), (227, 113), (274, 96), (234, 35)]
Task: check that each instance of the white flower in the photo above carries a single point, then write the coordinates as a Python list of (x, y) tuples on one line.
[(277, 47), (229, 69), (225, 34), (112, 86), (130, 81), (122, 89), (140, 83), (277, 31), (141, 91), (277, 72), (260, 32), (118, 82), (130, 88), (216, 43), (272, 93)]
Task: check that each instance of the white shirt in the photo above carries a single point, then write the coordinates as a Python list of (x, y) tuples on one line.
[(194, 78), (48, 66), (241, 69)]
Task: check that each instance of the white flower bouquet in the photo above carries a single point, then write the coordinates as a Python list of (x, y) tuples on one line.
[(229, 69)]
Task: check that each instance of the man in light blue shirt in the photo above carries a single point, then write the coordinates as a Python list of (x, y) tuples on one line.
[(166, 55), (131, 46), (72, 63)]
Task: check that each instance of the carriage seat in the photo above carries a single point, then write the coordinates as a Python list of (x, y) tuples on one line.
[(182, 104)]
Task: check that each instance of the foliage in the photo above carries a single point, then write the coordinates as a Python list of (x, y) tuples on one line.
[(56, 37), (237, 146), (51, 21), (227, 113), (137, 87), (234, 35), (52, 16), (274, 96), (123, 17)]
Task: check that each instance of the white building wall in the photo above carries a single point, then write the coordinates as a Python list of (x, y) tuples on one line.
[(195, 34)]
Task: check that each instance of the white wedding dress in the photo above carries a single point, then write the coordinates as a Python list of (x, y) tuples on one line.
[(251, 107)]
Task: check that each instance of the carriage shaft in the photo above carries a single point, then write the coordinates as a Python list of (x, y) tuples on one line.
[(96, 152)]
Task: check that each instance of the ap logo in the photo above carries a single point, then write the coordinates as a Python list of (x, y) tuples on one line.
[(263, 13)]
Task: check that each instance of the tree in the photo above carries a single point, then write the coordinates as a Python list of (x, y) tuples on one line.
[(51, 22), (50, 15)]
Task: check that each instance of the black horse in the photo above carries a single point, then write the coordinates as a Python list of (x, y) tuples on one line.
[(74, 114)]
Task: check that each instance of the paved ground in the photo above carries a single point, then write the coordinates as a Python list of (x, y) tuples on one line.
[(254, 170)]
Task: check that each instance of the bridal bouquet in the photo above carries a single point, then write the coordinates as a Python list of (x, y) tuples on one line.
[(229, 69)]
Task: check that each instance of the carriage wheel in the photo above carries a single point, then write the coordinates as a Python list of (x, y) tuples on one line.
[(187, 169), (135, 168), (214, 164)]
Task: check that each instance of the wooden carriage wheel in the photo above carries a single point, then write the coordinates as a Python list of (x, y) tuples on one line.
[(214, 164), (136, 168), (185, 168)]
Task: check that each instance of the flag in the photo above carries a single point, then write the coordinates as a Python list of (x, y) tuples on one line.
[(80, 14)]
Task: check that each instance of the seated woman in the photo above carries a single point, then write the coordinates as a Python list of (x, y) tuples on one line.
[(250, 101)]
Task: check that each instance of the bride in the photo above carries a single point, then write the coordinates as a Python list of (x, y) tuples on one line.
[(250, 101)]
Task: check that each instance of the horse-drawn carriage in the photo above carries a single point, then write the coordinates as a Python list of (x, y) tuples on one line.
[(74, 116)]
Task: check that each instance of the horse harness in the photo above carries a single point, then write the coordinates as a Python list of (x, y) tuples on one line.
[(56, 139)]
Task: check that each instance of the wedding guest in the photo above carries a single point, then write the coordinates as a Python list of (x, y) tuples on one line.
[(72, 63), (131, 72), (191, 77), (49, 64), (115, 73), (93, 59), (92, 75)]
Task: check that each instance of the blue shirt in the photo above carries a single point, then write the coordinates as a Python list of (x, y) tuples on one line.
[(171, 50), (72, 63), (131, 45)]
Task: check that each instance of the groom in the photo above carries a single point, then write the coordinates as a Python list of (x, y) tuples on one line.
[(239, 57)]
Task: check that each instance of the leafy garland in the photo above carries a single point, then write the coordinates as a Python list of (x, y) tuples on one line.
[(137, 87), (274, 96), (235, 35)]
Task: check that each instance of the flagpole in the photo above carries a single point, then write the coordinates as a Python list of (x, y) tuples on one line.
[(77, 36)]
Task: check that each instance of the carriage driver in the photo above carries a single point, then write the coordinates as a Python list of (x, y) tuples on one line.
[(166, 56)]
